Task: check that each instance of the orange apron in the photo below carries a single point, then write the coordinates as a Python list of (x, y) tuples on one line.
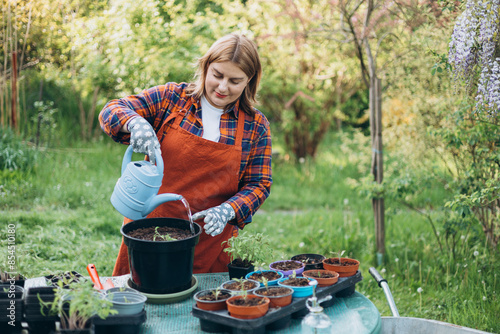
[(206, 173)]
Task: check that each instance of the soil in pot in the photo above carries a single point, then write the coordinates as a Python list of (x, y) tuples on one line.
[(214, 296), (160, 233), (269, 275), (286, 265), (279, 296), (297, 281), (320, 274), (248, 301), (236, 286), (212, 300), (344, 266), (324, 277), (304, 258), (311, 261), (66, 277), (241, 263), (273, 291)]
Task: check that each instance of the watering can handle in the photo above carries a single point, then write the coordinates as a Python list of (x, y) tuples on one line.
[(127, 157)]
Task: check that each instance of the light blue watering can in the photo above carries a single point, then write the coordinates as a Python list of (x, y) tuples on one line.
[(136, 191)]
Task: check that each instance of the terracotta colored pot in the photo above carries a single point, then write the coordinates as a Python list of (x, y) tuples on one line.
[(343, 270), (321, 280), (276, 301), (247, 312), (211, 305)]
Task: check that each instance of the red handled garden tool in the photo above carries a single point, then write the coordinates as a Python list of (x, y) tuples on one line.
[(94, 276)]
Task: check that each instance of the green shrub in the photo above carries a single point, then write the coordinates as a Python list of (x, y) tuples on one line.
[(14, 153)]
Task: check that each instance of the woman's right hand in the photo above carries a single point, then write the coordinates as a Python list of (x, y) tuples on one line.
[(143, 137)]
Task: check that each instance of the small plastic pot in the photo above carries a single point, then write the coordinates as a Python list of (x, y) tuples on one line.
[(322, 281), (287, 273), (269, 283), (312, 261), (299, 291), (256, 285), (127, 303), (121, 289), (276, 301), (343, 269), (247, 312), (211, 305), (238, 272)]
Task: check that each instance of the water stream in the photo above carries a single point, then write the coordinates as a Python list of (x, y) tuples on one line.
[(190, 216)]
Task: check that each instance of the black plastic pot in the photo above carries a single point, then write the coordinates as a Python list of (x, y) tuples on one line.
[(119, 324), (160, 267), (6, 279), (89, 330), (11, 308), (238, 272), (318, 260), (37, 317)]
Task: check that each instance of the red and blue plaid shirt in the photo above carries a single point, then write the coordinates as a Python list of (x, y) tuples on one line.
[(156, 104)]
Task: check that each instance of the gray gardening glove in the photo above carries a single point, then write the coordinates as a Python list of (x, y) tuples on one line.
[(216, 218), (143, 138)]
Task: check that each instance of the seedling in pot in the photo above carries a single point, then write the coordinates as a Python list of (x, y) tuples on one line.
[(265, 281), (248, 249), (340, 253), (216, 293), (76, 304), (165, 237)]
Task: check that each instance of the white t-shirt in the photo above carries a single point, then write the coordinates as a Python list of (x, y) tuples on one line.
[(210, 116)]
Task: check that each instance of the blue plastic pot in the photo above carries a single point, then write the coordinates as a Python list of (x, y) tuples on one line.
[(299, 291), (269, 283)]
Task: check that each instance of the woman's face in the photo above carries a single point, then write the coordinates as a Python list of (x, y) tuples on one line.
[(224, 83)]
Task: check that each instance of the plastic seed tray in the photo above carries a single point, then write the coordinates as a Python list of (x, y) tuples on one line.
[(222, 321)]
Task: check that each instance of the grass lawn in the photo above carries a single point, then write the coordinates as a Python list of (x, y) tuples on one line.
[(63, 221)]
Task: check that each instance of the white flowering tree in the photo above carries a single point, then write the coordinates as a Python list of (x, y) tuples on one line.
[(474, 129)]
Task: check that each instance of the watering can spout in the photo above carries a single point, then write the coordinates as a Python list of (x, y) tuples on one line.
[(160, 199)]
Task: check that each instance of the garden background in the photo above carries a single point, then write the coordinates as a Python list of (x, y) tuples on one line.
[(62, 60)]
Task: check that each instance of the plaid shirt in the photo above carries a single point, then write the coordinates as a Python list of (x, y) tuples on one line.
[(157, 103)]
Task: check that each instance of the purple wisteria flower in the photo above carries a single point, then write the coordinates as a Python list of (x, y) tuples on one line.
[(474, 43)]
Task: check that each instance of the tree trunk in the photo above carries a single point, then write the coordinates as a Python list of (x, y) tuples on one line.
[(377, 162), (14, 91)]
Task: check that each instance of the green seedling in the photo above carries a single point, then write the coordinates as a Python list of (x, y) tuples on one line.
[(216, 293), (340, 253), (165, 237), (265, 281)]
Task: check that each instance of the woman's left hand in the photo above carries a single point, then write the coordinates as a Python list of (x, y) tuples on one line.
[(216, 218)]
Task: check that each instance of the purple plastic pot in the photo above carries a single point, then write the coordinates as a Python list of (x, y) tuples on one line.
[(298, 272)]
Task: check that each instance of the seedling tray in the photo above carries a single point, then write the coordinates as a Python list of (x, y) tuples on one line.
[(119, 324), (278, 318)]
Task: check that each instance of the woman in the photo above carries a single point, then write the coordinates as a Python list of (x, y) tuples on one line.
[(215, 145)]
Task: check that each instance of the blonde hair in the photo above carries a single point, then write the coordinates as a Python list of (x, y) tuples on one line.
[(239, 50)]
